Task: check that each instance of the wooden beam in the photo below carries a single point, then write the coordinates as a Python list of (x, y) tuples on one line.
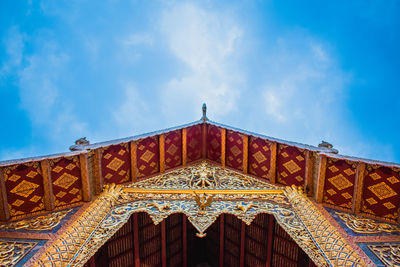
[(162, 152), (132, 147), (136, 239), (163, 245), (242, 243), (358, 188), (204, 141), (184, 147), (245, 153), (49, 200), (223, 146), (184, 241), (86, 190), (321, 179), (221, 239), (272, 170), (98, 175), (4, 210), (270, 239), (308, 183)]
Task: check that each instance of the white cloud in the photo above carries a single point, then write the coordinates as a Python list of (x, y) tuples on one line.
[(205, 42)]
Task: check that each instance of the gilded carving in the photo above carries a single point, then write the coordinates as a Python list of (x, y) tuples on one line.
[(11, 252), (389, 254), (41, 223), (174, 192), (366, 226)]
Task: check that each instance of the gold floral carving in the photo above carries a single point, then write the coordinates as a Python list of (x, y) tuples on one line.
[(366, 226), (175, 192), (389, 254), (11, 252), (41, 223)]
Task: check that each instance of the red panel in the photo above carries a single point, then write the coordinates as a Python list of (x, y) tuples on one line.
[(66, 178), (234, 150), (381, 193), (232, 241), (256, 241), (214, 143), (339, 183), (147, 156), (24, 185), (173, 149), (291, 165), (115, 164), (259, 157), (193, 135), (285, 250)]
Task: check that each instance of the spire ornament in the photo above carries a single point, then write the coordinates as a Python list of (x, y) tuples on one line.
[(204, 108)]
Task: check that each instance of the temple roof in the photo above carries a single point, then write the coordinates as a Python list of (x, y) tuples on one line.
[(37, 185)]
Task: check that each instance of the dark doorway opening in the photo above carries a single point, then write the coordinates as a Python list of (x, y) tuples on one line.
[(229, 242)]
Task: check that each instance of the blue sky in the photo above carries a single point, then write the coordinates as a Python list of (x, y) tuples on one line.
[(303, 71)]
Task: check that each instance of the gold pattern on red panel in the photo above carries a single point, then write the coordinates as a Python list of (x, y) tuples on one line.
[(24, 185), (173, 149), (66, 178), (214, 143), (234, 150), (381, 192), (259, 157), (115, 164), (194, 142), (340, 177), (147, 156), (290, 165)]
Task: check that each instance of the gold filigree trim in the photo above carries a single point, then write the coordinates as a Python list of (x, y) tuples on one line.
[(11, 252), (41, 223), (291, 208), (366, 226), (389, 254)]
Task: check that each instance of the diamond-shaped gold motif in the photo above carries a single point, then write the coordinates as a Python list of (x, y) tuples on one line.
[(14, 177), (382, 190), (331, 191), (108, 176), (389, 205), (153, 164), (284, 174), (172, 149), (239, 141), (346, 195), (375, 176), (393, 180), (65, 180), (152, 145), (193, 143), (236, 151), (147, 156), (349, 171), (340, 182), (122, 172), (121, 152), (299, 158), (18, 202), (168, 160), (70, 166), (61, 194), (57, 169), (265, 148), (284, 154), (259, 157), (31, 174), (115, 164), (142, 167), (24, 188), (74, 191), (141, 147), (371, 201), (291, 166), (264, 169), (35, 198), (214, 144), (107, 156), (299, 178), (231, 139), (333, 169), (254, 145)]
